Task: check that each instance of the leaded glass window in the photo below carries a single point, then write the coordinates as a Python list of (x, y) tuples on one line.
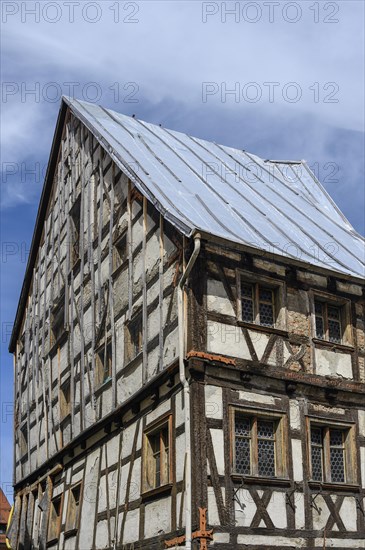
[(255, 445), (328, 454), (258, 304)]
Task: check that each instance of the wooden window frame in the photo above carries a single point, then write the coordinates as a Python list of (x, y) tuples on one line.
[(344, 306), (278, 299), (325, 320), (73, 526), (349, 449), (152, 429), (280, 442), (131, 350), (54, 534)]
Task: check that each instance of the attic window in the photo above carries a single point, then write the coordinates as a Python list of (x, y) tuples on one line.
[(328, 322), (332, 319), (260, 300), (258, 304)]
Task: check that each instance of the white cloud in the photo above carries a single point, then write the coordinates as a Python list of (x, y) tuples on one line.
[(170, 52)]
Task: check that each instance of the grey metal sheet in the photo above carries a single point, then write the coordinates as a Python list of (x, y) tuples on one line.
[(198, 185)]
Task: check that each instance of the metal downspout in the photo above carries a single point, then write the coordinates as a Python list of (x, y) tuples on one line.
[(186, 389)]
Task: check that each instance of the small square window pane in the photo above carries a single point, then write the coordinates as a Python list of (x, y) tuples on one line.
[(318, 307), (246, 290), (265, 429), (336, 438), (243, 426), (265, 294), (333, 313), (316, 436), (334, 331)]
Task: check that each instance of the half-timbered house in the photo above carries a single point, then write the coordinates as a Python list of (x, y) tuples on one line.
[(189, 349)]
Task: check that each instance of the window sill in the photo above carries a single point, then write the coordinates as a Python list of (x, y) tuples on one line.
[(119, 269), (103, 386), (334, 486), (132, 362), (249, 480), (332, 345), (70, 533), (58, 343), (164, 489), (66, 418), (52, 542), (262, 328), (75, 267)]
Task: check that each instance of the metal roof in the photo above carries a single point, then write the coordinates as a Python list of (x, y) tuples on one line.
[(275, 206), (271, 206)]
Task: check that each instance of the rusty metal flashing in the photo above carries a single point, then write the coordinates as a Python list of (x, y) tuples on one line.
[(211, 357)]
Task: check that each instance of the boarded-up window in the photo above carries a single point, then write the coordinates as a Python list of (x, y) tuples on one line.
[(23, 440), (157, 455), (331, 453), (133, 338), (57, 321), (103, 364), (75, 217), (73, 508), (119, 251), (258, 444), (65, 399), (54, 521)]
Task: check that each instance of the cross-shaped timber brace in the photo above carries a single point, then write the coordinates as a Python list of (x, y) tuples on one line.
[(203, 535)]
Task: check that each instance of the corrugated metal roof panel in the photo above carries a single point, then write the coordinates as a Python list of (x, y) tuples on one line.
[(198, 185)]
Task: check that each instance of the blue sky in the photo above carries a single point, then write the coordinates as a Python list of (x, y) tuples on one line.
[(284, 80)]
